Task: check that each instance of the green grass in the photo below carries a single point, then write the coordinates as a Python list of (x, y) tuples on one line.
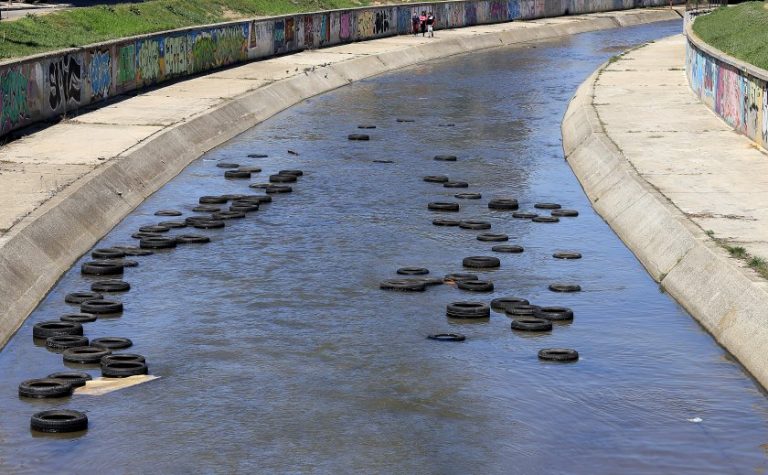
[(82, 26), (741, 31)]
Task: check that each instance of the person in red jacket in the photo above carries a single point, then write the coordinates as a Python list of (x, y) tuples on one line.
[(423, 23)]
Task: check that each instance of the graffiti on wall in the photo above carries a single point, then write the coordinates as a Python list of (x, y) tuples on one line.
[(279, 35), (728, 103), (148, 61), (14, 88), (126, 64), (100, 74), (175, 56), (261, 40), (64, 82), (753, 100), (345, 26)]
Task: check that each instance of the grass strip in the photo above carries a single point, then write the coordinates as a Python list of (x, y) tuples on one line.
[(741, 31)]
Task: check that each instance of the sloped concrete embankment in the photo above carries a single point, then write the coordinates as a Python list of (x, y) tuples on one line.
[(689, 265), (40, 248)]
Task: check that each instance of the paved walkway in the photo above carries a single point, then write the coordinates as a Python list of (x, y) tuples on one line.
[(716, 177)]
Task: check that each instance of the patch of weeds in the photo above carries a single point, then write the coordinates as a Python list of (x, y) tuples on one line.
[(709, 233), (736, 251)]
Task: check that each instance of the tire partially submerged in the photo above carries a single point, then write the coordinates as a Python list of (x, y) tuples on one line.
[(447, 337), (558, 354), (59, 421), (403, 285), (44, 388), (481, 262), (466, 309)]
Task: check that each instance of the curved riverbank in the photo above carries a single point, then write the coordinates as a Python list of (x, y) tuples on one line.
[(671, 185)]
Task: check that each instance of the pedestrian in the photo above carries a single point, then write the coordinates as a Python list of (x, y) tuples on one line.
[(431, 25), (423, 23), (415, 23)]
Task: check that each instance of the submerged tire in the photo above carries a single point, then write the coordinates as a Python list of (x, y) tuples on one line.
[(503, 204), (122, 358), (566, 255), (278, 189), (501, 303), (123, 369), (475, 225), (155, 228), (44, 388), (62, 342), (545, 219), (168, 212), (447, 337), (80, 297), (56, 328), (358, 137), (521, 310), (101, 268), (556, 314), (206, 209), (157, 243), (442, 206), (227, 165), (79, 317), (531, 324), (366, 126), (458, 276), (108, 253), (282, 178), (436, 179), (237, 174), (74, 378), (467, 310), (468, 196), (413, 271), (403, 285), (143, 235), (481, 262), (445, 222), (559, 287), (101, 307), (110, 285), (446, 158), (558, 354), (547, 206), (222, 215), (492, 237), (85, 354), (208, 224), (565, 213), (293, 172), (456, 184), (192, 239), (59, 421), (134, 251), (173, 224), (257, 155), (112, 343), (508, 248), (519, 215), (212, 200), (475, 285)]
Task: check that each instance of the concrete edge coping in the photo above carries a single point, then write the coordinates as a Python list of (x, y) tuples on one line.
[(743, 66), (699, 275)]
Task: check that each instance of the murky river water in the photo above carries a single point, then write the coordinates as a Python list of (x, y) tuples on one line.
[(278, 353)]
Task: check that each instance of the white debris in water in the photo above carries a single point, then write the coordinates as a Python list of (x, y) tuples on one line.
[(695, 420), (101, 386)]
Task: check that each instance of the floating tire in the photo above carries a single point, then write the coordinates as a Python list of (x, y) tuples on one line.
[(249, 169), (366, 126), (558, 354), (403, 285), (503, 204), (158, 243), (436, 179), (475, 225), (79, 317), (85, 354), (173, 224), (475, 285), (383, 161), (123, 369), (244, 206), (44, 388), (212, 200), (521, 310), (108, 253), (565, 213), (282, 178), (134, 251), (168, 212), (501, 303), (547, 206), (492, 237), (467, 310), (442, 206), (112, 343), (122, 358), (458, 276), (56, 328), (206, 209), (260, 199), (223, 215), (521, 215), (62, 342), (413, 271), (110, 285), (278, 189), (508, 248), (456, 184), (446, 158), (556, 314), (257, 155), (74, 378), (430, 281), (80, 297), (468, 196), (545, 219), (531, 324), (101, 307), (208, 224), (481, 262), (566, 255), (359, 137), (447, 337), (293, 172), (227, 165), (407, 121), (445, 222), (559, 287), (192, 239), (237, 174), (144, 235), (155, 228), (101, 268), (59, 421), (123, 262)]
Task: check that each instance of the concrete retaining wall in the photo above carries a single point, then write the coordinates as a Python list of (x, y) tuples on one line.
[(687, 263), (50, 85), (733, 89)]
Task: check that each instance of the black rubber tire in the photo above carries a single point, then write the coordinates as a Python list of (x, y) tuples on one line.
[(457, 276), (282, 178), (556, 314), (446, 158), (56, 328), (522, 215), (101, 268), (383, 161), (445, 222), (122, 262), (59, 421), (508, 248), (168, 212), (249, 169), (123, 369), (245, 206), (467, 309), (212, 200), (481, 262), (79, 317), (142, 235), (407, 121), (492, 237), (222, 215), (358, 137), (430, 281), (62, 342), (447, 337), (475, 285), (192, 239), (521, 310), (566, 255), (443, 206), (134, 251), (85, 354), (547, 206), (436, 179), (558, 354), (154, 229), (565, 213), (559, 287), (158, 243), (173, 224), (403, 285), (545, 219), (232, 174), (456, 184), (291, 172), (261, 199), (107, 253), (80, 297), (446, 125), (206, 209), (500, 304), (531, 324), (475, 225), (413, 271), (257, 155), (366, 126), (122, 358), (504, 204), (74, 378), (112, 343), (468, 196), (44, 388), (101, 307), (277, 189), (227, 165), (208, 224)]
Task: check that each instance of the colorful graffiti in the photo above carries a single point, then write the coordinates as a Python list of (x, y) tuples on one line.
[(345, 26), (126, 64), (13, 87), (64, 82), (176, 56), (148, 61), (100, 74)]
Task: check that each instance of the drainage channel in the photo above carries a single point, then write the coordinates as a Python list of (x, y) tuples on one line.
[(279, 346)]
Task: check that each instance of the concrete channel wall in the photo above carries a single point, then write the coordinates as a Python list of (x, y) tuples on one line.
[(733, 89), (48, 86)]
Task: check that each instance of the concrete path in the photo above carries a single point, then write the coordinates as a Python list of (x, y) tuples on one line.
[(715, 176)]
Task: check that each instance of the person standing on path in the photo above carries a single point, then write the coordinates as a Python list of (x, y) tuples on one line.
[(423, 22), (415, 24), (431, 25)]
